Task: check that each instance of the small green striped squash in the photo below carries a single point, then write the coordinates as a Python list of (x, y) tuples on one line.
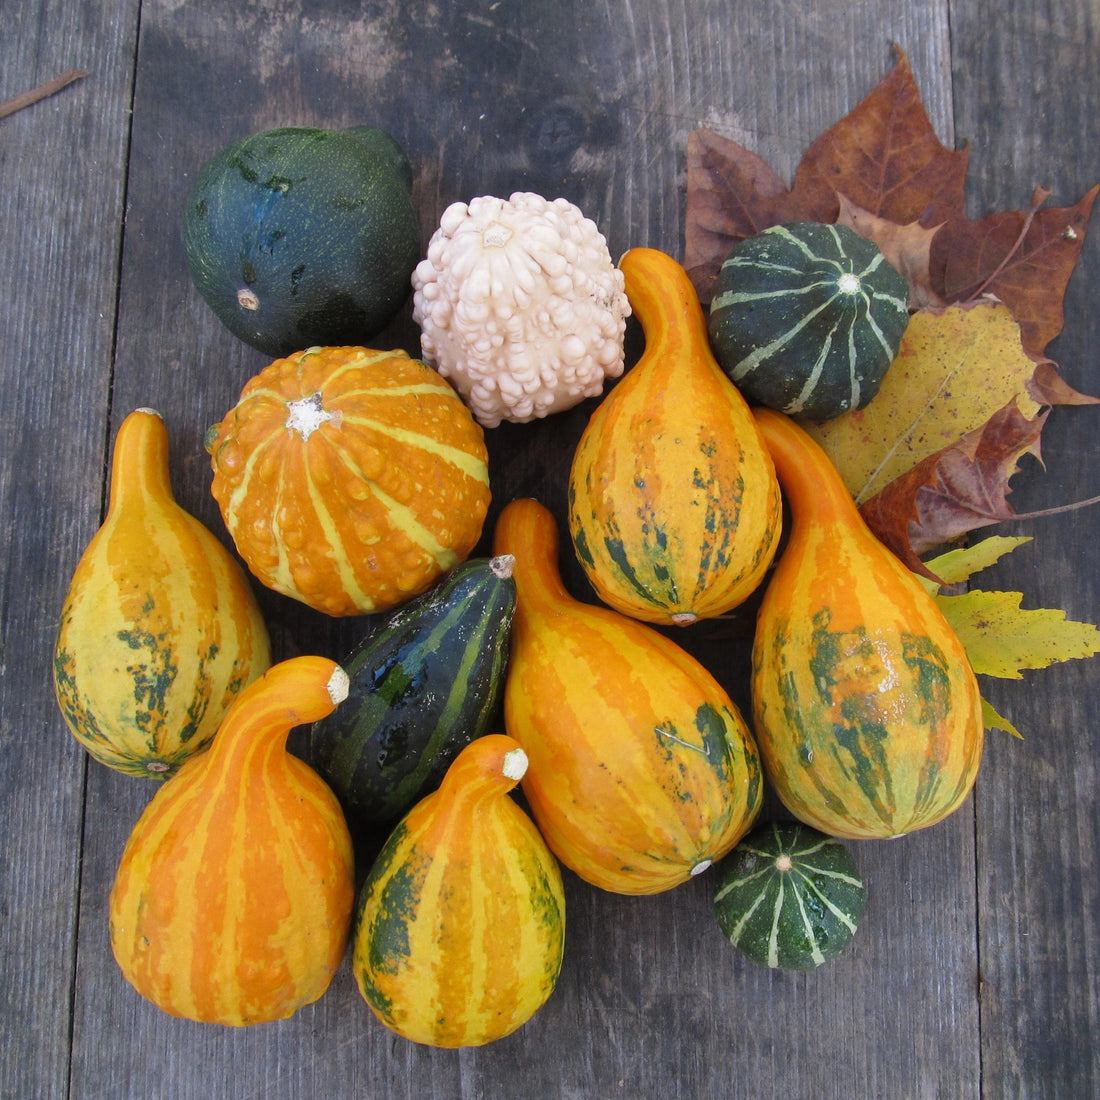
[(424, 684), (789, 896), (460, 926), (160, 630), (350, 479), (807, 318)]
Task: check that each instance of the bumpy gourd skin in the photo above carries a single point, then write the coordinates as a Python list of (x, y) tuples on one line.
[(350, 479), (674, 508), (866, 710)]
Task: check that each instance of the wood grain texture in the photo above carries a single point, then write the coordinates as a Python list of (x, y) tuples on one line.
[(62, 172), (593, 102), (1028, 100)]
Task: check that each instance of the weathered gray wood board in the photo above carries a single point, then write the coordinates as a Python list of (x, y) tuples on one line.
[(975, 971)]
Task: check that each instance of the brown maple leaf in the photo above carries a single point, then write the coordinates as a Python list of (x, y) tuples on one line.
[(883, 156), (1024, 258), (906, 247), (962, 487)]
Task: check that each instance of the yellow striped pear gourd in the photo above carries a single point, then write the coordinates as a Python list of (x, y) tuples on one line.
[(460, 924), (643, 771), (866, 709), (350, 479), (673, 504), (233, 898), (160, 630)]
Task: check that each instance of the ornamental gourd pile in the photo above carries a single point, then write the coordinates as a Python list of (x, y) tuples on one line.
[(356, 481)]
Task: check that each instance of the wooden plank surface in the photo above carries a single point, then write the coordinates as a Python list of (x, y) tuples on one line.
[(593, 102), (62, 180)]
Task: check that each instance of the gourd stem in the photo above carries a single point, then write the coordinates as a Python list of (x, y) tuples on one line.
[(139, 466), (811, 483), (489, 767), (289, 694)]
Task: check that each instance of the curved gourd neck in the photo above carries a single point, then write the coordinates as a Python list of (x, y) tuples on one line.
[(663, 299), (811, 483), (139, 466), (528, 532), (291, 693), (488, 768)]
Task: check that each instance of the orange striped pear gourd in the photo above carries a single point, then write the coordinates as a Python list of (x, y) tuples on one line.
[(232, 902), (350, 479), (866, 709), (460, 925), (642, 770), (160, 630), (674, 509)]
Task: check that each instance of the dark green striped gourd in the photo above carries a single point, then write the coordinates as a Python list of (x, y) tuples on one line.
[(423, 686), (807, 318), (789, 896)]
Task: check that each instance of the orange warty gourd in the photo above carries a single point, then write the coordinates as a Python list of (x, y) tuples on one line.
[(866, 709), (160, 629), (674, 508), (350, 479), (233, 898), (642, 770), (460, 925)]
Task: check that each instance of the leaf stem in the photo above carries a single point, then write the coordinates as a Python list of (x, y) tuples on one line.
[(1043, 513), (10, 106)]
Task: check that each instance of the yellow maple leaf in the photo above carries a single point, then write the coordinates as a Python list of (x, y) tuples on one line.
[(1002, 638), (955, 368)]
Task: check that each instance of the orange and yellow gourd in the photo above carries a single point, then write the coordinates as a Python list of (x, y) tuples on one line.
[(866, 710), (642, 770), (349, 478), (160, 630), (674, 509), (233, 898), (460, 926)]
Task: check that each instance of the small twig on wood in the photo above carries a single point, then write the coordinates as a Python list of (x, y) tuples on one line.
[(9, 107)]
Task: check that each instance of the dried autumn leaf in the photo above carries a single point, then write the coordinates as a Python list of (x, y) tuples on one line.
[(954, 369), (884, 156), (906, 247), (1002, 638), (732, 194), (959, 565), (994, 721), (959, 489), (1024, 258)]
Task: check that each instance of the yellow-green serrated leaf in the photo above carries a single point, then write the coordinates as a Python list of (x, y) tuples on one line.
[(960, 565), (955, 368), (1001, 638), (994, 721)]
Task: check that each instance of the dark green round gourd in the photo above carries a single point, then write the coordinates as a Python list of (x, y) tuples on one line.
[(300, 237), (807, 318), (423, 686), (789, 896)]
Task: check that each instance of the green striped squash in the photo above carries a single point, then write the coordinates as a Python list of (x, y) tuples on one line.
[(460, 926), (788, 896), (350, 479), (807, 318), (426, 683)]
